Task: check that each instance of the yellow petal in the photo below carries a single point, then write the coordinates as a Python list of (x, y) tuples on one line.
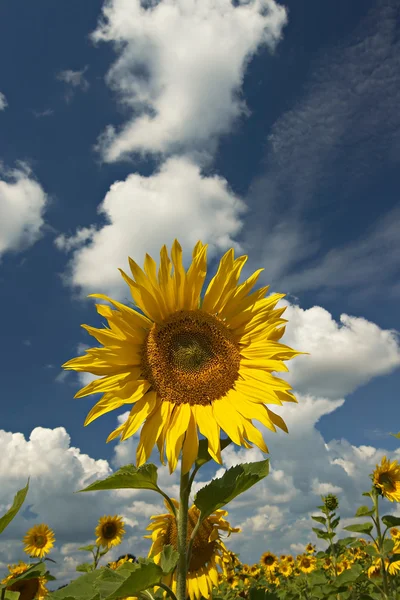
[(179, 277), (217, 283), (190, 445), (114, 434), (150, 432), (195, 276), (132, 316), (108, 403), (165, 280), (210, 429), (254, 435), (140, 411), (227, 419), (105, 384), (250, 410), (176, 431)]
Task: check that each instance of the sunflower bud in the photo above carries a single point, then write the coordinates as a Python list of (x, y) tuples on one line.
[(331, 502)]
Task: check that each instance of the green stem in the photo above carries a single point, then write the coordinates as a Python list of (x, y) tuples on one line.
[(182, 527), (380, 543), (96, 557), (170, 503), (168, 590)]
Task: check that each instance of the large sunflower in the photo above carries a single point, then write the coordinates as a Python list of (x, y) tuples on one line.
[(386, 479), (28, 588), (187, 363), (39, 540), (109, 531), (208, 550)]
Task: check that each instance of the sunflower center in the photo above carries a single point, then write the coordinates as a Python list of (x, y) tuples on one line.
[(39, 541), (202, 549), (109, 531), (386, 481), (191, 357)]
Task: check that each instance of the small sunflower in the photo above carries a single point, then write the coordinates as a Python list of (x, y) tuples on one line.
[(285, 569), (208, 549), (307, 564), (289, 559), (395, 533), (109, 531), (186, 362), (269, 561), (375, 570), (39, 540), (310, 548), (28, 588), (386, 479)]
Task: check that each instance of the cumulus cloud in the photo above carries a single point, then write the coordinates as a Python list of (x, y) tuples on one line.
[(3, 101), (342, 128), (180, 68), (343, 356), (22, 205), (144, 213)]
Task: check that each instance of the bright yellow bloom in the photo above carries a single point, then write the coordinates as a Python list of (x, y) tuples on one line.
[(395, 533), (375, 570), (289, 559), (285, 569), (269, 561), (208, 549), (186, 363), (310, 548), (39, 540), (386, 478), (28, 588), (307, 563), (109, 531)]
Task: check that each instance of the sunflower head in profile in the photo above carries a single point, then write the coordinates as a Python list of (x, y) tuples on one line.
[(386, 479), (208, 550), (28, 588), (188, 362), (269, 561), (39, 540), (109, 531)]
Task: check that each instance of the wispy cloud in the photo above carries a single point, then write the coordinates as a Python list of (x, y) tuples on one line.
[(338, 133), (48, 112), (74, 80), (3, 101)]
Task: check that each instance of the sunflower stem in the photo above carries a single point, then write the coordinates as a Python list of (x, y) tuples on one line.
[(182, 526), (380, 542), (168, 590)]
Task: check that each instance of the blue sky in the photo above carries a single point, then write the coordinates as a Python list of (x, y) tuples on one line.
[(265, 126)]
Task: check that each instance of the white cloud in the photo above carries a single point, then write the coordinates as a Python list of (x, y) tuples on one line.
[(3, 101), (143, 214), (22, 204), (74, 80), (180, 68), (343, 356)]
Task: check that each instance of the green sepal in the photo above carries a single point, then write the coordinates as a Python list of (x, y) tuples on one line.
[(361, 528), (128, 477), (203, 455), (233, 482), (18, 501)]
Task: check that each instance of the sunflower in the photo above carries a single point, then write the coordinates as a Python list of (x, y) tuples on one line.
[(186, 362), (386, 479), (109, 531), (285, 569), (395, 533), (39, 540), (28, 588), (375, 570), (310, 548), (269, 561), (208, 549), (307, 563)]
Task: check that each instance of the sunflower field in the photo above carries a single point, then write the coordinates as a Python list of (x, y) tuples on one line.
[(190, 363)]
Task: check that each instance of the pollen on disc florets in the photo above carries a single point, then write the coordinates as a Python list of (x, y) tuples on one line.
[(191, 357)]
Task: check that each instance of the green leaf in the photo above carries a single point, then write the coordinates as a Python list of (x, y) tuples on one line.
[(324, 535), (364, 511), (321, 520), (388, 546), (349, 575), (233, 482), (169, 559), (16, 505), (347, 540), (11, 595), (391, 520), (128, 477), (366, 494), (87, 548), (32, 572), (84, 567), (203, 456), (140, 577), (317, 579), (335, 523), (361, 528), (81, 588), (371, 550)]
